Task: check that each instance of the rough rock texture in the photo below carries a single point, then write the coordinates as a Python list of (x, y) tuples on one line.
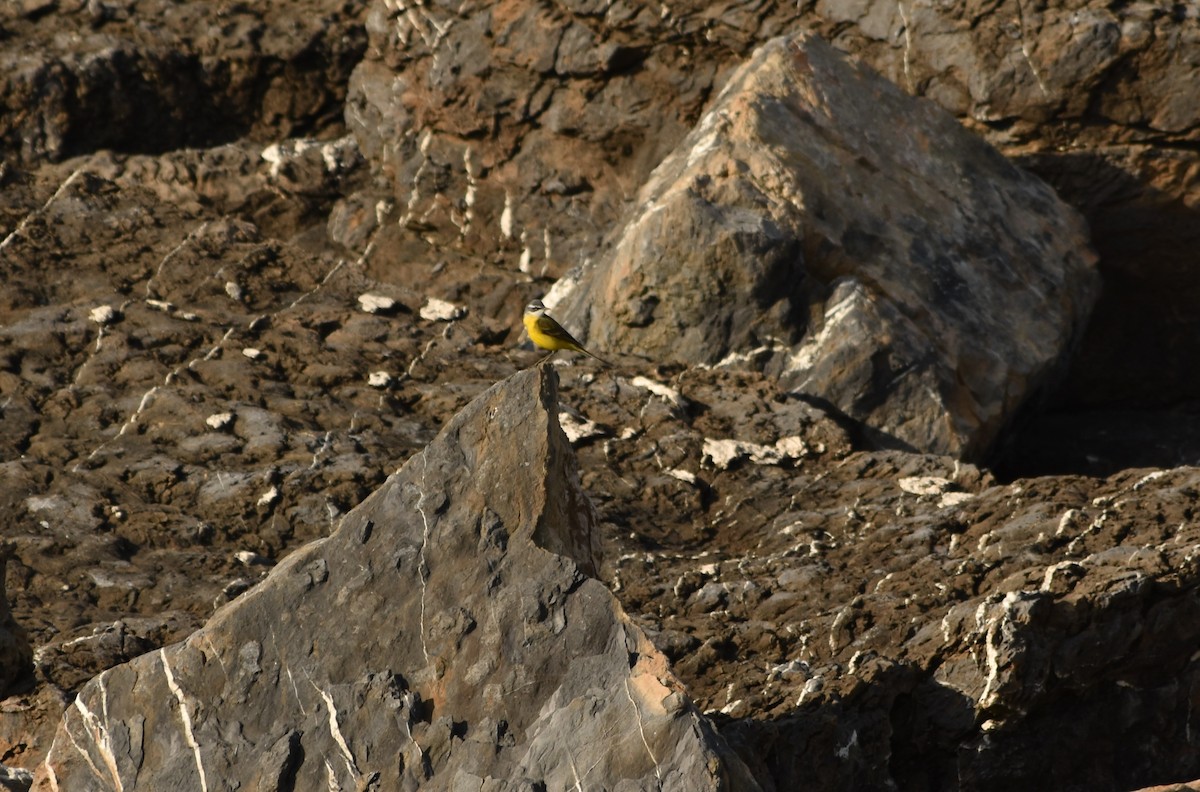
[(1098, 99), (151, 76), (891, 263), (513, 134), (911, 623), (516, 132), (494, 147), (172, 319), (1022, 64), (468, 646)]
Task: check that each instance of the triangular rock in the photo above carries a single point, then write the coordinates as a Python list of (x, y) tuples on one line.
[(446, 636)]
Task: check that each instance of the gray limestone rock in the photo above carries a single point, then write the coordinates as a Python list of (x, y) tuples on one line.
[(823, 226), (449, 635)]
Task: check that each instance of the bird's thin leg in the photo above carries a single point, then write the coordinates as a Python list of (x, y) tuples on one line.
[(546, 359)]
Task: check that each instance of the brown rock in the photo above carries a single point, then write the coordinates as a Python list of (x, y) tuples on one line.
[(97, 75), (1033, 635), (843, 648), (1098, 100), (930, 305)]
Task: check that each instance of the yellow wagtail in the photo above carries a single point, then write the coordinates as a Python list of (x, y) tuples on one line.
[(549, 334)]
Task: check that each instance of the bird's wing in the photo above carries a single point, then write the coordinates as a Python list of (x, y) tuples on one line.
[(552, 328)]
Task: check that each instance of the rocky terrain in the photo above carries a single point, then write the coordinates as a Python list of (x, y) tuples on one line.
[(889, 485)]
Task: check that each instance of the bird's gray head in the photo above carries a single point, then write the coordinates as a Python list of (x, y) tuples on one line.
[(535, 307)]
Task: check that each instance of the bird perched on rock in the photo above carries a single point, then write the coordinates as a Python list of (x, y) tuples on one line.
[(549, 334)]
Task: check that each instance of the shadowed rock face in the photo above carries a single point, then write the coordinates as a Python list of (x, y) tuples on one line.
[(155, 76), (448, 633), (886, 260), (16, 655)]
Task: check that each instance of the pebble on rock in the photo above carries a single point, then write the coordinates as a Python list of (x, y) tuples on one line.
[(436, 310), (219, 420), (269, 497), (376, 303), (103, 314)]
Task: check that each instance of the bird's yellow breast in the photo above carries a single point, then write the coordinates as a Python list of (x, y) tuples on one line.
[(543, 339)]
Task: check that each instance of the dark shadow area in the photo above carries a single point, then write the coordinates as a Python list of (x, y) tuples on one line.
[(1091, 697), (134, 88), (924, 723), (151, 102), (1114, 707), (861, 435), (899, 729), (131, 109), (1100, 443), (1105, 739), (1131, 394)]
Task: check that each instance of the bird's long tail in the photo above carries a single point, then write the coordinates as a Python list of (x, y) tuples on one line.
[(596, 357)]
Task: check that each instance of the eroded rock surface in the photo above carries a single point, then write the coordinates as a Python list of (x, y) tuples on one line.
[(888, 261), (153, 76), (448, 633), (892, 604), (254, 334), (519, 134)]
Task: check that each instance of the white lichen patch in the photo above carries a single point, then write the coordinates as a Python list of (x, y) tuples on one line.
[(683, 475), (949, 499), (723, 453), (269, 497), (250, 558), (925, 485), (945, 489), (660, 390)]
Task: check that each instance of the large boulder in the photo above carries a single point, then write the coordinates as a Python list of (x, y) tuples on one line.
[(824, 226), (448, 635), (1098, 99), (516, 134)]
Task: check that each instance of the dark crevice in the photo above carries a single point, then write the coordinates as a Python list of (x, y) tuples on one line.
[(1130, 394), (137, 99)]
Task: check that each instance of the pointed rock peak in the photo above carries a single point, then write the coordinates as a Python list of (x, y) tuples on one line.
[(520, 466), (447, 635)]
